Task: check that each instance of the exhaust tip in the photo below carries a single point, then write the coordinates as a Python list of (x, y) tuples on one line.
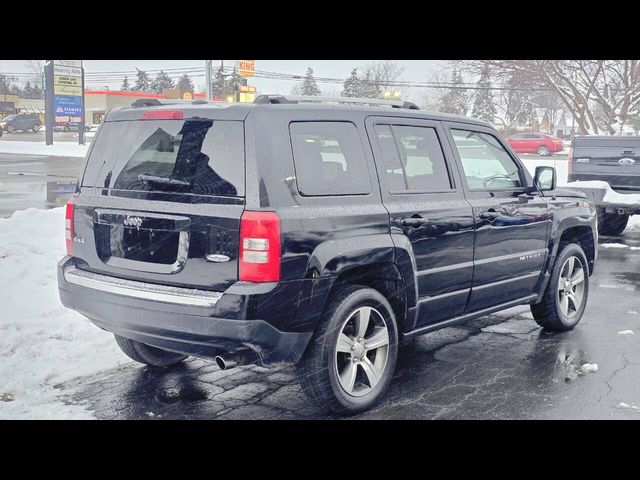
[(221, 363)]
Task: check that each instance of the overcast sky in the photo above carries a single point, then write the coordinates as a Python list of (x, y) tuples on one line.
[(415, 70)]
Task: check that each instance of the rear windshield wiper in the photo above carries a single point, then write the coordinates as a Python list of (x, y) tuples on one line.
[(167, 181)]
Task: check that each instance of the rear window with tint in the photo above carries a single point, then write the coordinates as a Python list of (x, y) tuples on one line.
[(329, 159), (200, 157)]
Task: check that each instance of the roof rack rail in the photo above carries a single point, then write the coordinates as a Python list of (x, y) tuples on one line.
[(292, 99), (156, 102)]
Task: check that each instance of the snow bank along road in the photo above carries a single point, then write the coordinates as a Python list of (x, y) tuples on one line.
[(55, 364)]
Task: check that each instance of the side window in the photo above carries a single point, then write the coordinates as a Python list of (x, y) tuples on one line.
[(329, 159), (486, 163), (413, 158)]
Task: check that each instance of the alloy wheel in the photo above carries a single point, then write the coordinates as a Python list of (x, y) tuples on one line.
[(362, 351), (571, 287)]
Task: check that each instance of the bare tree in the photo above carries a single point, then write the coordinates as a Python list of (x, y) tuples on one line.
[(36, 67), (379, 76), (602, 95)]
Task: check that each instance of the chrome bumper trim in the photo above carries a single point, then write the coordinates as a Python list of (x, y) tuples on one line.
[(142, 290)]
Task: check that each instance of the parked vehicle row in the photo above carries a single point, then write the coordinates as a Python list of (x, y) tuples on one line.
[(315, 234), (21, 122)]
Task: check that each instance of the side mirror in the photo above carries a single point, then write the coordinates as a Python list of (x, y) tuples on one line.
[(545, 178)]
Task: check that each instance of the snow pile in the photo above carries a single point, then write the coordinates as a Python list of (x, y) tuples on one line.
[(610, 196), (626, 405), (614, 245), (42, 344), (589, 367), (626, 332), (58, 149)]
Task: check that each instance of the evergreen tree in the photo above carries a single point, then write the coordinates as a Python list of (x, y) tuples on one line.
[(518, 104), (369, 86), (38, 92), (483, 106), (309, 85), (27, 91), (455, 100), (125, 87), (185, 83), (219, 84), (161, 82), (352, 86), (143, 82), (233, 81)]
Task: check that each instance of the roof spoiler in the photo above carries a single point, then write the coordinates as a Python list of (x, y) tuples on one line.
[(294, 99)]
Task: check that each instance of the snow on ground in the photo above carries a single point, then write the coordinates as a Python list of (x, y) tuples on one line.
[(58, 149), (613, 245), (42, 344), (626, 332), (560, 164)]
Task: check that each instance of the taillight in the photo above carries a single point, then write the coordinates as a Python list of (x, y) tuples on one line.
[(570, 160), (68, 225), (259, 247), (163, 115)]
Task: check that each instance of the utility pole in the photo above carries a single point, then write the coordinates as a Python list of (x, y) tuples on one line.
[(222, 93), (208, 79)]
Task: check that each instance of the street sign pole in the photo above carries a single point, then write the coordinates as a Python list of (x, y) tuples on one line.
[(84, 111), (49, 114), (208, 79)]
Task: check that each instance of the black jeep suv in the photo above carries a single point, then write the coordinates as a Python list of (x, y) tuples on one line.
[(308, 232)]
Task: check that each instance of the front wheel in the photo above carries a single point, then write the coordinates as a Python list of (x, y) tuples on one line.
[(143, 353), (11, 129), (352, 355), (565, 297)]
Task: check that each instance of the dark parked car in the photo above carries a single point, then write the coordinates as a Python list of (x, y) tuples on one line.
[(615, 160), (539, 143), (21, 122), (313, 233)]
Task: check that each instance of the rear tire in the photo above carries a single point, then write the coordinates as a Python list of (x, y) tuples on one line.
[(544, 151), (143, 353), (567, 292), (611, 224), (341, 370)]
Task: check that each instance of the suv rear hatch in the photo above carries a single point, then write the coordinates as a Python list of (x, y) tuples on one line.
[(615, 160), (161, 200)]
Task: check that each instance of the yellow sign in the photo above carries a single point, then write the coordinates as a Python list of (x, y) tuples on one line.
[(67, 90), (187, 96), (246, 68), (64, 80)]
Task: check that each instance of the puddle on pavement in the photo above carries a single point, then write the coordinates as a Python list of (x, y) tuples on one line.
[(177, 394)]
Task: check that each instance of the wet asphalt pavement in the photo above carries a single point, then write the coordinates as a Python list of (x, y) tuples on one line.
[(23, 180), (501, 366)]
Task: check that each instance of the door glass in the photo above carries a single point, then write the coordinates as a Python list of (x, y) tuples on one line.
[(413, 159), (487, 166)]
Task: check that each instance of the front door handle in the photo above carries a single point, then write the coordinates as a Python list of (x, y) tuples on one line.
[(491, 216), (414, 222)]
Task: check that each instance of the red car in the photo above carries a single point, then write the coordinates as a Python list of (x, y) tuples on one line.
[(539, 143)]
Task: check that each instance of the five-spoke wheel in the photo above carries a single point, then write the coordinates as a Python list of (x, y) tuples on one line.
[(361, 351)]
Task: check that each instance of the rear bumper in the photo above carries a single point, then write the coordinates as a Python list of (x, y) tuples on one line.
[(177, 319)]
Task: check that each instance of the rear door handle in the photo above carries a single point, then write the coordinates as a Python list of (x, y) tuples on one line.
[(414, 222), (489, 216)]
